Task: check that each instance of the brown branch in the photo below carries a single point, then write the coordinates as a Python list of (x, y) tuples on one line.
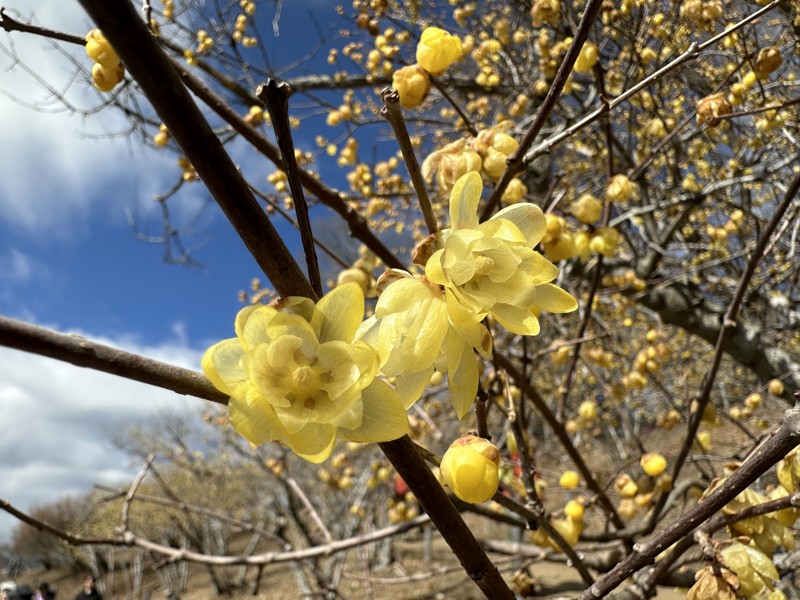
[(9, 24), (518, 162), (563, 437), (276, 96), (80, 352), (786, 438), (391, 112)]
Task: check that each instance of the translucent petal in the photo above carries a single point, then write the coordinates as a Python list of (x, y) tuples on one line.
[(503, 229), (253, 417), (423, 332), (352, 417), (314, 442), (528, 218), (460, 268), (222, 365), (476, 336), (537, 268), (504, 263), (517, 320), (434, 270), (464, 200), (401, 295), (462, 310), (410, 386), (462, 374), (339, 313), (384, 417), (251, 325), (553, 299), (288, 324)]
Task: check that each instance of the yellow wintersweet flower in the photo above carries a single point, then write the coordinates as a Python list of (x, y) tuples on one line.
[(450, 163), (470, 468), (412, 334), (437, 50), (491, 267), (413, 85), (295, 375), (100, 51)]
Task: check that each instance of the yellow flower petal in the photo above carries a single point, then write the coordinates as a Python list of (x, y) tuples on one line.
[(221, 364), (253, 417), (517, 320), (384, 417), (339, 313), (409, 386), (256, 333), (528, 218), (462, 374), (464, 201), (553, 299), (314, 442)]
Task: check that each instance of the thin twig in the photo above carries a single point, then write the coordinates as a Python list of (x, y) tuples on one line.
[(392, 113), (517, 162), (276, 96)]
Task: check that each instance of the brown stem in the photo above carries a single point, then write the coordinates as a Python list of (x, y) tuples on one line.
[(391, 112), (81, 352), (276, 96), (516, 162), (786, 438)]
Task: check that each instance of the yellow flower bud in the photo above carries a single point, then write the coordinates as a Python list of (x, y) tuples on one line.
[(161, 138), (100, 51), (626, 486), (546, 11), (586, 209), (753, 401), (574, 510), (704, 441), (569, 480), (587, 58), (620, 189), (653, 463), (105, 79), (413, 85), (515, 192), (588, 410), (775, 387), (437, 50), (470, 468)]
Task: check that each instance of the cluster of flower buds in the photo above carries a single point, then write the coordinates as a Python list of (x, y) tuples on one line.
[(107, 71), (436, 51)]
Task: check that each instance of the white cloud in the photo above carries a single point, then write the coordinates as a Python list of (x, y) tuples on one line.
[(57, 420), (61, 167)]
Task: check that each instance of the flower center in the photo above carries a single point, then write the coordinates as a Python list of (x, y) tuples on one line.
[(305, 379), (484, 265)]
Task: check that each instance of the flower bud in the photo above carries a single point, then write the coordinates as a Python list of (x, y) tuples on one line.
[(620, 189), (653, 463), (546, 11), (437, 50), (413, 85), (574, 510), (515, 192), (100, 51), (587, 209), (569, 480), (587, 58), (470, 468), (775, 387), (105, 79)]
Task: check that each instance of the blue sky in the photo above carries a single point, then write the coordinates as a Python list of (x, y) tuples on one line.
[(70, 260)]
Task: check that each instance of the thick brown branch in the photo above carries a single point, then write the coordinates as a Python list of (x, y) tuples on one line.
[(81, 352)]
